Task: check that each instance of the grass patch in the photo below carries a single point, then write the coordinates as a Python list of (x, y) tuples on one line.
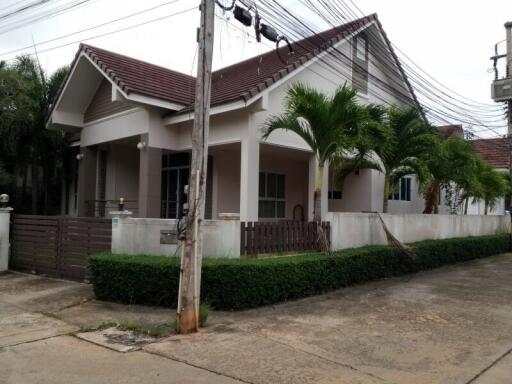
[(246, 283)]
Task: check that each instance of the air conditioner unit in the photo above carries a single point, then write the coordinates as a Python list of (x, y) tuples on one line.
[(501, 90)]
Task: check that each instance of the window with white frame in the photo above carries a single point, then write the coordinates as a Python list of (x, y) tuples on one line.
[(272, 204), (401, 190)]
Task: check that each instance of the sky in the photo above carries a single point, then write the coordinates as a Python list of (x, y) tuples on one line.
[(451, 40)]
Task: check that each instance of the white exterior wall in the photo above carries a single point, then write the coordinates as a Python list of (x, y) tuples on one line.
[(350, 230), (478, 208), (142, 237)]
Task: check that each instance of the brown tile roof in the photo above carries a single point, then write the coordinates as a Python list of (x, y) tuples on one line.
[(451, 131), (240, 81), (136, 76), (494, 151)]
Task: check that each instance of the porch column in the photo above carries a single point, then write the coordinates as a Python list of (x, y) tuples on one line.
[(313, 166), (249, 176), (150, 180), (87, 180)]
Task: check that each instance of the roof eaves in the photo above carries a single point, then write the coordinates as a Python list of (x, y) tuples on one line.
[(89, 51)]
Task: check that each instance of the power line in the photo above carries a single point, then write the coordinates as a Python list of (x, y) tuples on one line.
[(444, 113), (119, 30), (89, 28), (45, 15)]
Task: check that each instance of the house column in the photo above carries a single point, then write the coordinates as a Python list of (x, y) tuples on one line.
[(86, 180), (313, 167), (150, 180), (249, 176)]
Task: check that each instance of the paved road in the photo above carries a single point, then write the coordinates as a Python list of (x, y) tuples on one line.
[(451, 326)]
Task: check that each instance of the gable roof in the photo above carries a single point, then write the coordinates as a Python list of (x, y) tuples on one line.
[(494, 151), (238, 82), (137, 76)]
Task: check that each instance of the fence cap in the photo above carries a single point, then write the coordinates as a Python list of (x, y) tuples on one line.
[(124, 213), (229, 216)]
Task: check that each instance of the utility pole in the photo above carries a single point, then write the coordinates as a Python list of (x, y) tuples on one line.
[(191, 259)]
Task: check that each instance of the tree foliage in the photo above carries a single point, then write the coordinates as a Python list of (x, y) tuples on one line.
[(26, 96)]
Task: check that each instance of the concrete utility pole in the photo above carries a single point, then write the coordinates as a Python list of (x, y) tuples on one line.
[(190, 276)]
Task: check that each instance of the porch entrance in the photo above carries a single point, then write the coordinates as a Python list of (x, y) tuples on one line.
[(175, 176), (57, 246)]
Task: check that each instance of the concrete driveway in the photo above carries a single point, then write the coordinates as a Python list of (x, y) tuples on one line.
[(38, 320), (451, 325)]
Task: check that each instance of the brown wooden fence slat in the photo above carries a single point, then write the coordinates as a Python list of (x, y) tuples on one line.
[(275, 237), (57, 246)]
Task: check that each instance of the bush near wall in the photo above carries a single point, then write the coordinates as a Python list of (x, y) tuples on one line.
[(238, 284)]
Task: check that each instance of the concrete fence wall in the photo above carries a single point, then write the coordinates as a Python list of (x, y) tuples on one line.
[(349, 230), (5, 214), (158, 237)]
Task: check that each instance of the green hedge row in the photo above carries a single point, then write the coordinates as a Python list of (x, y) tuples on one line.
[(237, 284)]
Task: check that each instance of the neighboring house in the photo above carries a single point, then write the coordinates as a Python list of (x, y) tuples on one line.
[(495, 152), (131, 123)]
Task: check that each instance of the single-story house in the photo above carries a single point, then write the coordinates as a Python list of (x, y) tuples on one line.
[(130, 126)]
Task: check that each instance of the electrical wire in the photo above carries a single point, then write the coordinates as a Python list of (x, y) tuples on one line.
[(89, 28), (119, 30), (451, 113)]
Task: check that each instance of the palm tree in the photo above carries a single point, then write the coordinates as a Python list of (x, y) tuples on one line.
[(327, 124), (410, 140), (493, 185), (451, 165)]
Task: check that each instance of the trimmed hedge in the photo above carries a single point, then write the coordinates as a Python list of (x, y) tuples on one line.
[(246, 283)]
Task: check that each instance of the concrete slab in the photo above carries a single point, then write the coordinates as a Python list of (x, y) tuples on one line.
[(74, 302), (113, 338), (66, 359), (93, 314), (41, 294), (256, 359), (18, 326), (500, 372)]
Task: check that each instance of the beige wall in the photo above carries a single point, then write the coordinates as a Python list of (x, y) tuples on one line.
[(295, 166), (122, 172), (226, 179), (357, 194)]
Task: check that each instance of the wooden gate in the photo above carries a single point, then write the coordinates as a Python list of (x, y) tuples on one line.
[(262, 237), (57, 246)]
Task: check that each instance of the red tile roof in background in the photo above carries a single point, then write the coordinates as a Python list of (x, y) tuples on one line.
[(494, 151), (240, 81), (451, 131)]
